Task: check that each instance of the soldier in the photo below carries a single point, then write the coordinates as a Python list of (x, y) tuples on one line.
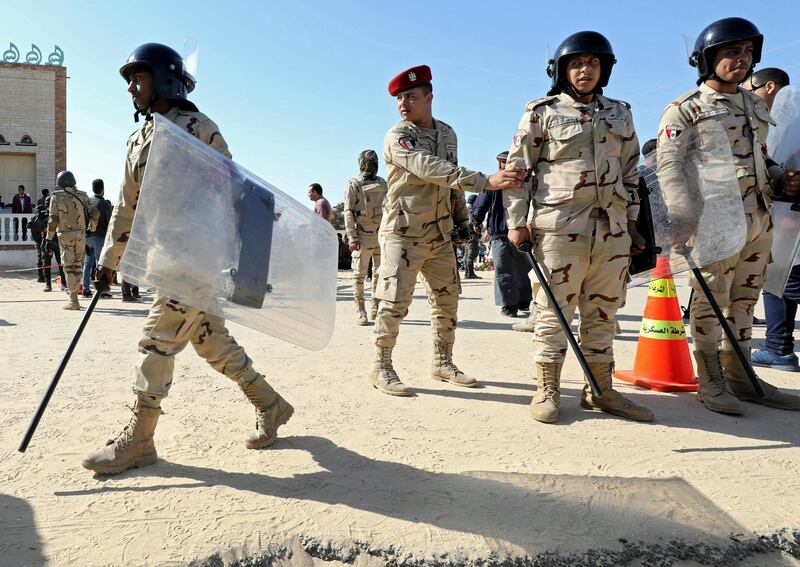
[(158, 82), (725, 54), (583, 150), (471, 246), (422, 163), (71, 215), (363, 206)]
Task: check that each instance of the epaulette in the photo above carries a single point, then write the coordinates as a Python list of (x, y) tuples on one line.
[(622, 102), (540, 102), (445, 124), (687, 95)]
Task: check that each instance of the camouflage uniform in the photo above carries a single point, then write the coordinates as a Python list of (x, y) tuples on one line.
[(416, 231), (579, 221), (170, 325), (584, 157), (68, 210), (363, 202), (736, 281)]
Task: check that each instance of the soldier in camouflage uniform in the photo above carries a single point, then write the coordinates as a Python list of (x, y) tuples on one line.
[(471, 246), (422, 163), (363, 208), (158, 82), (724, 55), (583, 150), (70, 216)]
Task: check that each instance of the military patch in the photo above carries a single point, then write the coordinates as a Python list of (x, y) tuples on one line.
[(407, 142), (673, 130), (519, 136)]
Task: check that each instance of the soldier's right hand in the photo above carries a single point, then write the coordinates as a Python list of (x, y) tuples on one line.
[(519, 236), (105, 275), (355, 246), (506, 179)]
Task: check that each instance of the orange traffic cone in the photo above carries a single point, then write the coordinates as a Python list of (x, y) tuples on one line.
[(662, 356)]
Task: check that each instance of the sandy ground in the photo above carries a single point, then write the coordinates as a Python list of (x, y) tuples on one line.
[(449, 477)]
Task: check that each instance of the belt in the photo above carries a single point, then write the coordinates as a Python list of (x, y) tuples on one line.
[(597, 213)]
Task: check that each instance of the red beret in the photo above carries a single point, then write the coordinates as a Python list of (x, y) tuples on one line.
[(409, 79)]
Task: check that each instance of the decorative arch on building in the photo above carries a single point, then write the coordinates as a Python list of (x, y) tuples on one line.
[(3, 141), (26, 140)]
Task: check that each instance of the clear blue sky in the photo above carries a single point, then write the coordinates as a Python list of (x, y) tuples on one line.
[(298, 88)]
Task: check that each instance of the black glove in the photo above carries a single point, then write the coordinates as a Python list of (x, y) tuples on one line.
[(49, 246)]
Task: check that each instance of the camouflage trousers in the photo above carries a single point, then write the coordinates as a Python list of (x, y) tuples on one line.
[(403, 259), (736, 283), (170, 326), (471, 249), (360, 264), (73, 251), (587, 271)]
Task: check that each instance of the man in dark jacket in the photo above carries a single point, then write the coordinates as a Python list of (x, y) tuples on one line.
[(512, 285), (94, 240)]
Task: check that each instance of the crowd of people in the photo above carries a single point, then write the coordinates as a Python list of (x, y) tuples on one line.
[(69, 229)]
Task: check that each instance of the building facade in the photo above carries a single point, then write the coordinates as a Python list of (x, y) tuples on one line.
[(33, 127)]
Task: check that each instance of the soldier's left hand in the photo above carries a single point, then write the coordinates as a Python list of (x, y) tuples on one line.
[(789, 183), (355, 245), (506, 179), (638, 242)]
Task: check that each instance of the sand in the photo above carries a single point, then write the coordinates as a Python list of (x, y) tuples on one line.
[(449, 477)]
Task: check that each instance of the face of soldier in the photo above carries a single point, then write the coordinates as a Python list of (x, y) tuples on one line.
[(766, 91), (312, 194), (583, 72), (733, 61), (415, 105), (501, 164), (140, 87)]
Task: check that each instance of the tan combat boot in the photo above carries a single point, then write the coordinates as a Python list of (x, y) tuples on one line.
[(712, 392), (546, 400), (73, 304), (611, 401), (373, 311), (361, 312), (741, 387), (527, 326), (444, 370), (272, 411), (383, 377), (133, 447)]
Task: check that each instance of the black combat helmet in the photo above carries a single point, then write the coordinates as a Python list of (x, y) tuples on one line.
[(726, 30), (171, 80), (65, 179), (581, 42)]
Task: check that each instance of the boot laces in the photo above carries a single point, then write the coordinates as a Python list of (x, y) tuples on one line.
[(549, 381)]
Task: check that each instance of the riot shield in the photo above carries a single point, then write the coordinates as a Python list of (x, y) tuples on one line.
[(212, 235), (695, 200), (783, 142)]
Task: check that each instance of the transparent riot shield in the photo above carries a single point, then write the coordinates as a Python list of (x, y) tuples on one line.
[(783, 142), (695, 200), (212, 235)]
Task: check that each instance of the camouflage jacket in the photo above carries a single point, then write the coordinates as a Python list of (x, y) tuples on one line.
[(583, 156), (423, 169), (195, 123), (68, 210), (363, 207), (747, 132)]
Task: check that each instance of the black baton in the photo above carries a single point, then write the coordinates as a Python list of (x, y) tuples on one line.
[(101, 287), (722, 321), (526, 248)]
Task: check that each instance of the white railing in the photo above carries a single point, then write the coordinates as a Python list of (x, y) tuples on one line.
[(14, 229)]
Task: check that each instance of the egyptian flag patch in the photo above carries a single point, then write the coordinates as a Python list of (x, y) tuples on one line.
[(519, 136), (407, 142), (673, 131)]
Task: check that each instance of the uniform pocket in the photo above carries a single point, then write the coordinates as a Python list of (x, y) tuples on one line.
[(387, 284)]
